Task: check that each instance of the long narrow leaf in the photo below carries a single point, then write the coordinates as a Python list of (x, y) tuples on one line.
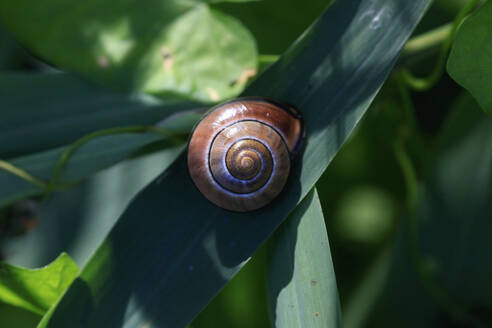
[(76, 221), (302, 286), (172, 251), (91, 157), (43, 111)]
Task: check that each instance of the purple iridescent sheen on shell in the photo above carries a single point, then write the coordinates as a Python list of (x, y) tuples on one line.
[(239, 155)]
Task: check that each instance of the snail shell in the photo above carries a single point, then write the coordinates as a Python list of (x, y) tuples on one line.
[(239, 155)]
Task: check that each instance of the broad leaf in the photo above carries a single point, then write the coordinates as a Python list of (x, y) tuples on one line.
[(470, 61), (36, 290), (172, 251), (148, 46), (302, 285)]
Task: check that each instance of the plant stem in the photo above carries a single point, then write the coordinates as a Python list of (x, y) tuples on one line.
[(407, 103), (17, 171), (426, 83), (426, 41), (53, 184), (67, 154), (267, 59)]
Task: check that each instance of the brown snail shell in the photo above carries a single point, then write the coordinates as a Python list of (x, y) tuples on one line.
[(239, 155)]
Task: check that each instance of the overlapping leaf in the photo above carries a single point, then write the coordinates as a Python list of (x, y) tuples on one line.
[(92, 156), (77, 220), (275, 24), (36, 290), (43, 111), (171, 251), (302, 285)]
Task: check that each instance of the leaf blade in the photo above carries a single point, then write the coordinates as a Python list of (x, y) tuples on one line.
[(302, 285), (36, 290), (91, 157), (185, 245), (46, 110), (469, 62)]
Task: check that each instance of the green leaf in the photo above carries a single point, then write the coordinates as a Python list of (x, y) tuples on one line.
[(36, 290), (302, 285), (93, 156), (275, 24), (43, 111), (145, 46), (9, 50), (233, 1), (172, 250), (470, 61), (243, 295), (77, 220), (14, 317)]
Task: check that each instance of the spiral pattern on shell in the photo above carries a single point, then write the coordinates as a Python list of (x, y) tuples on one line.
[(239, 155)]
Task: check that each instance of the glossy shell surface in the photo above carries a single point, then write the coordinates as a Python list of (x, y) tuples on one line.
[(239, 155)]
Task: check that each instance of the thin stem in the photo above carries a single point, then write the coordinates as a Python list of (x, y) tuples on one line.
[(409, 174), (267, 59), (53, 184), (426, 83), (428, 40), (407, 103), (67, 154), (424, 273), (17, 171)]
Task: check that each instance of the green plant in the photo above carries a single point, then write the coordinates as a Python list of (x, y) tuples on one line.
[(156, 66)]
